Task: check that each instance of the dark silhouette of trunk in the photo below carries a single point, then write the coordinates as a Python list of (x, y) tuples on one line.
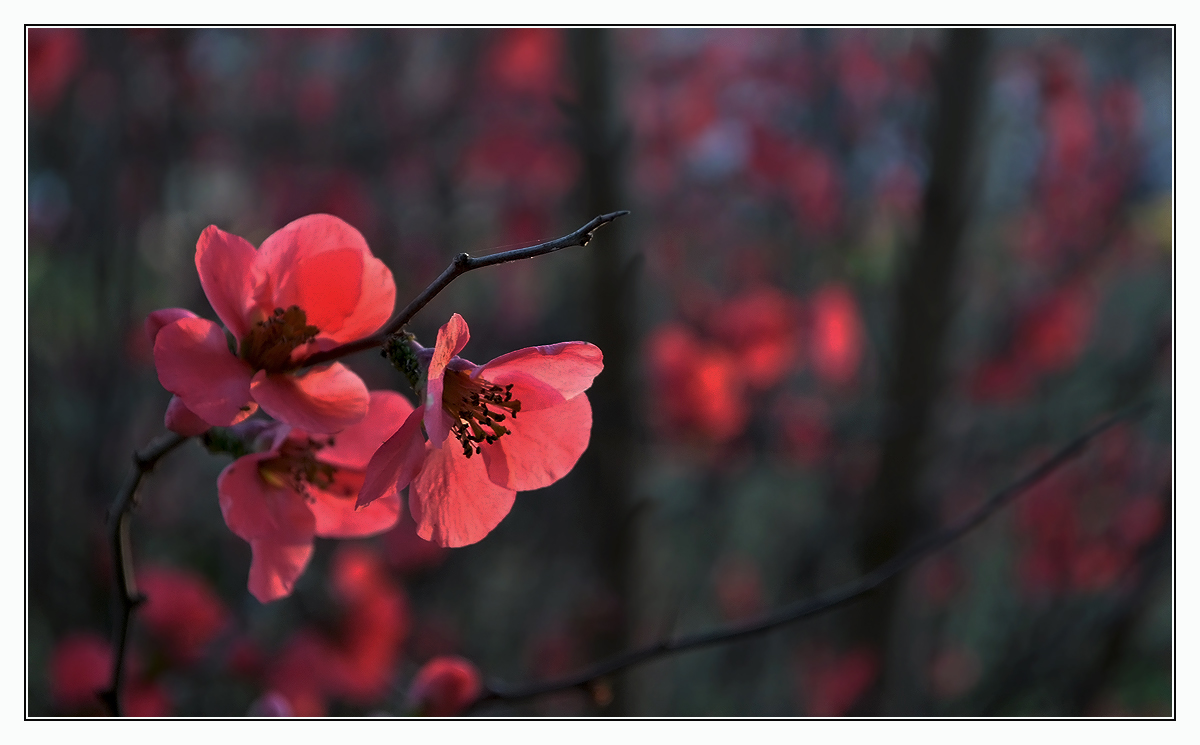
[(610, 460), (891, 512)]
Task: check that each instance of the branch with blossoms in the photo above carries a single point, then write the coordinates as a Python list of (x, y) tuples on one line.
[(591, 677), (309, 295)]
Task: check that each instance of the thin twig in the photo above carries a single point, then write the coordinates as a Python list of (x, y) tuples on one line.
[(462, 264), (128, 597), (821, 603)]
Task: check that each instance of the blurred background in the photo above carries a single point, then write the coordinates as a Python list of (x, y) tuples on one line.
[(870, 277)]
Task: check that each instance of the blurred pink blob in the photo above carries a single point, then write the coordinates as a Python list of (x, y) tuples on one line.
[(407, 552), (55, 55), (80, 668), (831, 683), (697, 388), (954, 671), (804, 426), (182, 611), (837, 334), (444, 687), (761, 327)]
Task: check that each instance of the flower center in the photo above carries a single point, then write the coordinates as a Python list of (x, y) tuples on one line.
[(296, 467), (477, 408), (269, 344)]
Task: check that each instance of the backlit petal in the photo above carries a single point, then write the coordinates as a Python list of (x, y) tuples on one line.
[(452, 500), (275, 567), (194, 363), (183, 421), (254, 509), (322, 400), (451, 339), (327, 287), (159, 318), (569, 367), (396, 462), (542, 447), (226, 264), (353, 447), (376, 302), (336, 515)]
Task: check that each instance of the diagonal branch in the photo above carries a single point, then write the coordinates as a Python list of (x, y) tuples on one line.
[(128, 597), (824, 602), (462, 264)]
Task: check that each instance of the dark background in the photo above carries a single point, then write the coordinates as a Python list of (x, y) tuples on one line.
[(855, 296)]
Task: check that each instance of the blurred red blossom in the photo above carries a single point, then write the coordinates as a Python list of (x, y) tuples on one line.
[(697, 386), (407, 552), (837, 334), (444, 687), (182, 611), (830, 683), (804, 428), (55, 55), (81, 667), (761, 327)]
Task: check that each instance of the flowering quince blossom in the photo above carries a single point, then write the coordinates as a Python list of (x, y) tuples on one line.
[(524, 414), (301, 485), (311, 286)]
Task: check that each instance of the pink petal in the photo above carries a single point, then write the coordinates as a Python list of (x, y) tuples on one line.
[(304, 237), (256, 510), (183, 421), (322, 400), (396, 462), (336, 515), (376, 302), (159, 318), (451, 339), (327, 287), (353, 447), (195, 364), (542, 447), (531, 392), (275, 567), (569, 366), (452, 500), (226, 264)]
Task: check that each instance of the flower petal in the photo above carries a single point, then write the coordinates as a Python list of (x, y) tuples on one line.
[(354, 446), (322, 400), (395, 463), (451, 339), (194, 363), (542, 447), (569, 366), (336, 515), (275, 567), (376, 301), (254, 509), (183, 421), (327, 287), (159, 318), (452, 500), (226, 264)]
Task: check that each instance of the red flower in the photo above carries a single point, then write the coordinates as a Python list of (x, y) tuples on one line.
[(182, 611), (303, 486), (80, 667), (525, 413), (837, 344), (698, 386), (311, 286), (444, 687)]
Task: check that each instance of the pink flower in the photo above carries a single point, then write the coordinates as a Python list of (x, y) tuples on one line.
[(302, 486), (182, 611), (444, 687), (311, 286), (524, 413)]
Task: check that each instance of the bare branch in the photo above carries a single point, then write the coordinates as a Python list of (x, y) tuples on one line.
[(128, 597), (823, 602), (462, 264)]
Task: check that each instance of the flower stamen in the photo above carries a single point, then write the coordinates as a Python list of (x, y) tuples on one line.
[(269, 344), (475, 405)]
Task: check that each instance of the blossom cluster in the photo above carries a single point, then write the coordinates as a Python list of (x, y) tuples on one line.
[(333, 457)]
